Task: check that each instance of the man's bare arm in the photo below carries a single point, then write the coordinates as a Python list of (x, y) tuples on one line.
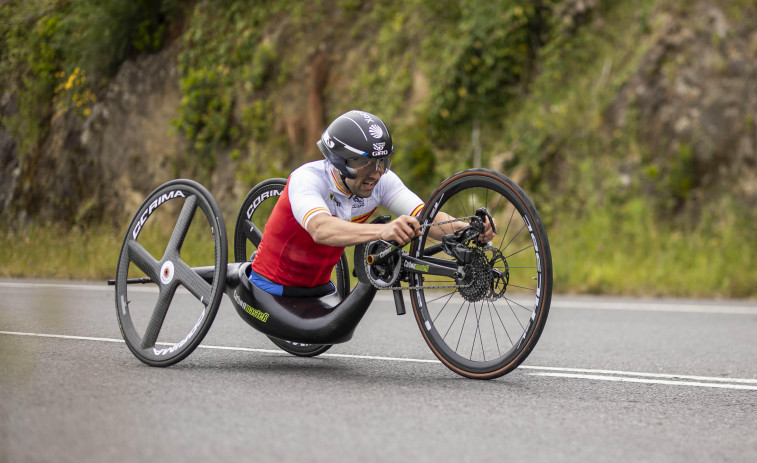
[(333, 231)]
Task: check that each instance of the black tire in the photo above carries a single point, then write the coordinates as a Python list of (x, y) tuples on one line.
[(170, 209), (484, 337), (251, 220)]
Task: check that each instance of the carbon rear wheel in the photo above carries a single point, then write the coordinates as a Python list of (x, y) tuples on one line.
[(486, 324), (253, 216)]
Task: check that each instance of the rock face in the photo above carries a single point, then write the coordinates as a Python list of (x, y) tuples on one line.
[(695, 95), (100, 167), (9, 163), (129, 135)]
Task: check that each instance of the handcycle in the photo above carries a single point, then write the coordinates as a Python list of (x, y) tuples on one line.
[(481, 307)]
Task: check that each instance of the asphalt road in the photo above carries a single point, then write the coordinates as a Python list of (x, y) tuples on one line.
[(610, 380)]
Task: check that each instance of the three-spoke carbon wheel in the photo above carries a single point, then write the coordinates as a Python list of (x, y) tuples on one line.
[(485, 325), (251, 221), (164, 321)]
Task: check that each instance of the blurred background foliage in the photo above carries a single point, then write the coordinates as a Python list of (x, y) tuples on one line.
[(526, 87)]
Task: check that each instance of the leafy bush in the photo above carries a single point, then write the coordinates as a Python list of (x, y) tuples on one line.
[(489, 60), (204, 114), (55, 54)]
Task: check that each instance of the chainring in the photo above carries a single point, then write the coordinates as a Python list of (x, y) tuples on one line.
[(383, 275)]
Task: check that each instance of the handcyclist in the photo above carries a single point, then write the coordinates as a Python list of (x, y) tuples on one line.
[(325, 204)]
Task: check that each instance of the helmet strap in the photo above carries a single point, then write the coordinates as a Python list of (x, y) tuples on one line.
[(344, 182)]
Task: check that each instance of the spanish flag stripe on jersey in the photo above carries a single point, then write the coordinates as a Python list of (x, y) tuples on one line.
[(363, 217), (313, 211), (417, 210)]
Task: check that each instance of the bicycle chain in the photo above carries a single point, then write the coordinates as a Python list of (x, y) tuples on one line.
[(394, 288)]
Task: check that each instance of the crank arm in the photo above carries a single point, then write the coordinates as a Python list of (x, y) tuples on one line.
[(382, 257)]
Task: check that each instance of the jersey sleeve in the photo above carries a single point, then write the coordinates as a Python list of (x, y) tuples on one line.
[(306, 196), (398, 198)]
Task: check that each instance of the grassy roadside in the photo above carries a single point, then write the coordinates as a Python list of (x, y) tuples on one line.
[(629, 252), (620, 253)]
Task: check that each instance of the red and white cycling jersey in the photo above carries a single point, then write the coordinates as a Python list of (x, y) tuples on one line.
[(287, 255)]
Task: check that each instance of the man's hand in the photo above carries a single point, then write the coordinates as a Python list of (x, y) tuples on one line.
[(488, 234), (401, 230)]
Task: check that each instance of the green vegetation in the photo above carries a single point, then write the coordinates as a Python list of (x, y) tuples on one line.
[(55, 54), (521, 86)]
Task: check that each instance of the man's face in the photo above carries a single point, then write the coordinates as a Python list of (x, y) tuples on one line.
[(368, 174)]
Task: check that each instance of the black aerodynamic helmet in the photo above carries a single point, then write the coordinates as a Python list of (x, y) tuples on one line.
[(355, 135)]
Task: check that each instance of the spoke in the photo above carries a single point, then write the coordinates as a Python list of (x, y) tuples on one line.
[(509, 222), (443, 296), (516, 303), (182, 224), (501, 322), (513, 239), (477, 332), (462, 329), (516, 252), (496, 206), (510, 285), (158, 316), (188, 278), (462, 206), (480, 337), (496, 339), (143, 260), (454, 319), (514, 315)]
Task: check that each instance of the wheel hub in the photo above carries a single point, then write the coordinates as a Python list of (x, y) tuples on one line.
[(166, 272)]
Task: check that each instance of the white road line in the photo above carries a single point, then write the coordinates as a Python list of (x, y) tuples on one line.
[(558, 372), (636, 373), (647, 381), (649, 306)]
